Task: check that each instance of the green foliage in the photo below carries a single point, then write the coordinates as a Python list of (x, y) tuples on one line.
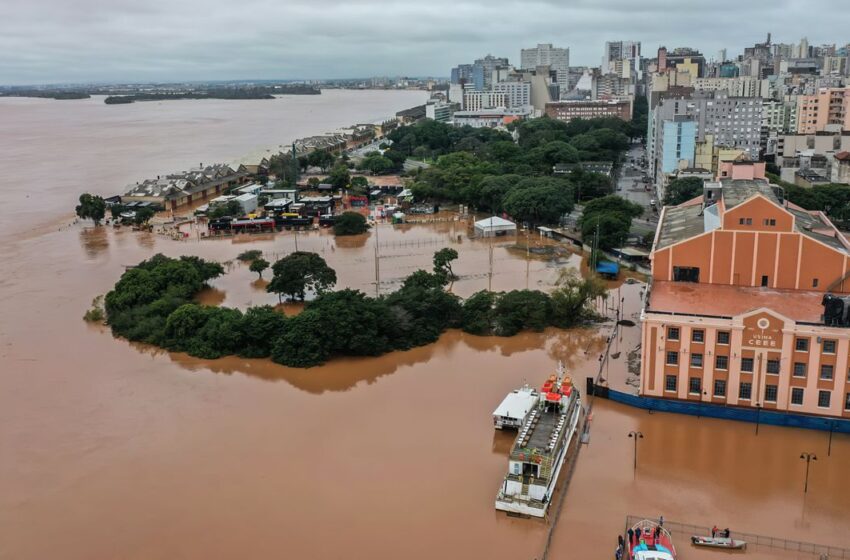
[(350, 223), (205, 332), (360, 181), (424, 279), (321, 158), (301, 271), (144, 297), (96, 313), (376, 164), (143, 216), (443, 262), (589, 185), (250, 255), (478, 315), (522, 310), (613, 216), (833, 199), (153, 303), (339, 177), (570, 300), (91, 207), (261, 326), (479, 166), (541, 203), (258, 266), (682, 190)]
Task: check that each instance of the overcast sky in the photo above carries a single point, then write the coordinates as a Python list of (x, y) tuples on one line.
[(45, 41)]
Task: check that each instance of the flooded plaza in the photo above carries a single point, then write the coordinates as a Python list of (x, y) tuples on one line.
[(116, 450)]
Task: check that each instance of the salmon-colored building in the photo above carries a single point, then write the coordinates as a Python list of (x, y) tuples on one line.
[(734, 314)]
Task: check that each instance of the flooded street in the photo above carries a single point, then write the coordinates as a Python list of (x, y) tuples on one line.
[(115, 450)]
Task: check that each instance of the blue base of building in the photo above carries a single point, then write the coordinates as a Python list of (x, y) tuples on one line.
[(767, 417)]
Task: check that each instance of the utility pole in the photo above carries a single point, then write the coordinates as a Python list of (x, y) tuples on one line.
[(808, 457), (294, 166), (490, 276), (636, 436), (377, 262), (527, 257)]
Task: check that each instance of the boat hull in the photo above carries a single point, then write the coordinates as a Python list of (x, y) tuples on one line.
[(718, 542)]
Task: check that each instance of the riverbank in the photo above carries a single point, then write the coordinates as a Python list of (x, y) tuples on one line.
[(104, 150)]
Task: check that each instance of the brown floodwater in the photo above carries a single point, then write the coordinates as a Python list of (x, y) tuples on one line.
[(116, 450)]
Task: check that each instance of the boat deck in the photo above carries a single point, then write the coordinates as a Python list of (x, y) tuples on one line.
[(541, 432)]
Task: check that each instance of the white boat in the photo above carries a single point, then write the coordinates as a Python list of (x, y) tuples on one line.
[(719, 542), (538, 452), (516, 407)]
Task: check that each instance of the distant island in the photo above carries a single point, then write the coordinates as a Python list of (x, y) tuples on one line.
[(46, 94), (216, 93)]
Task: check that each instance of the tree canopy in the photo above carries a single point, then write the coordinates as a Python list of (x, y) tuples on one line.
[(91, 207), (350, 223), (299, 272), (613, 216), (153, 303), (682, 190)]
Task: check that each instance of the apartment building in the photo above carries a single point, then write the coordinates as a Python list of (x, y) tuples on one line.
[(569, 110), (826, 110), (545, 54)]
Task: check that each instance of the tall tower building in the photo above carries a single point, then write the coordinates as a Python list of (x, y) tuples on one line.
[(546, 55)]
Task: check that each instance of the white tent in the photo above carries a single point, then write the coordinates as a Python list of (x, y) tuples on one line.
[(494, 226)]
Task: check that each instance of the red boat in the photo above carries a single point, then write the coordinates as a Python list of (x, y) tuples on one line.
[(649, 541)]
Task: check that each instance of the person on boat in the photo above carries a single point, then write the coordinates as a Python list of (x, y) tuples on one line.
[(714, 531), (657, 532), (631, 533), (661, 521), (726, 532)]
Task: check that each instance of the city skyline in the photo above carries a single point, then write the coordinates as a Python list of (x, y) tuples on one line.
[(48, 41)]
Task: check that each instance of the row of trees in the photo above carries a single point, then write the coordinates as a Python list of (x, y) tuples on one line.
[(833, 199), (153, 303)]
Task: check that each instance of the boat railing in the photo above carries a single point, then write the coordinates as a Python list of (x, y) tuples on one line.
[(686, 530)]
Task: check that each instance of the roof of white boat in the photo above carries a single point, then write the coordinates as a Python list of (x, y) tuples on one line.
[(517, 403)]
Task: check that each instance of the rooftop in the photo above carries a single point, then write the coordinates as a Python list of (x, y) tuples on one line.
[(685, 298), (688, 219)]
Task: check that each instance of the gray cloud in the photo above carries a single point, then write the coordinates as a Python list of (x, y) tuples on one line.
[(115, 40)]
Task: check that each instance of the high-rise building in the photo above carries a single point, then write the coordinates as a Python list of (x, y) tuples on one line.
[(621, 50), (826, 110), (482, 70), (462, 74), (517, 93), (545, 54)]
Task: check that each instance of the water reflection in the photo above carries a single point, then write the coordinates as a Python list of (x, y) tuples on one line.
[(94, 240), (340, 374), (211, 296), (352, 241)]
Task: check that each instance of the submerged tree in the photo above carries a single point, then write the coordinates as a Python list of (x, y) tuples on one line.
[(91, 207), (301, 271), (443, 263), (258, 266), (350, 223)]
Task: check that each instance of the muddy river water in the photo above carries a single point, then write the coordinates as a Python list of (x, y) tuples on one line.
[(115, 450)]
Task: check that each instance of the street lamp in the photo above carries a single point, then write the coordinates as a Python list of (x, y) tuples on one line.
[(808, 457), (832, 426), (758, 415), (636, 436)]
